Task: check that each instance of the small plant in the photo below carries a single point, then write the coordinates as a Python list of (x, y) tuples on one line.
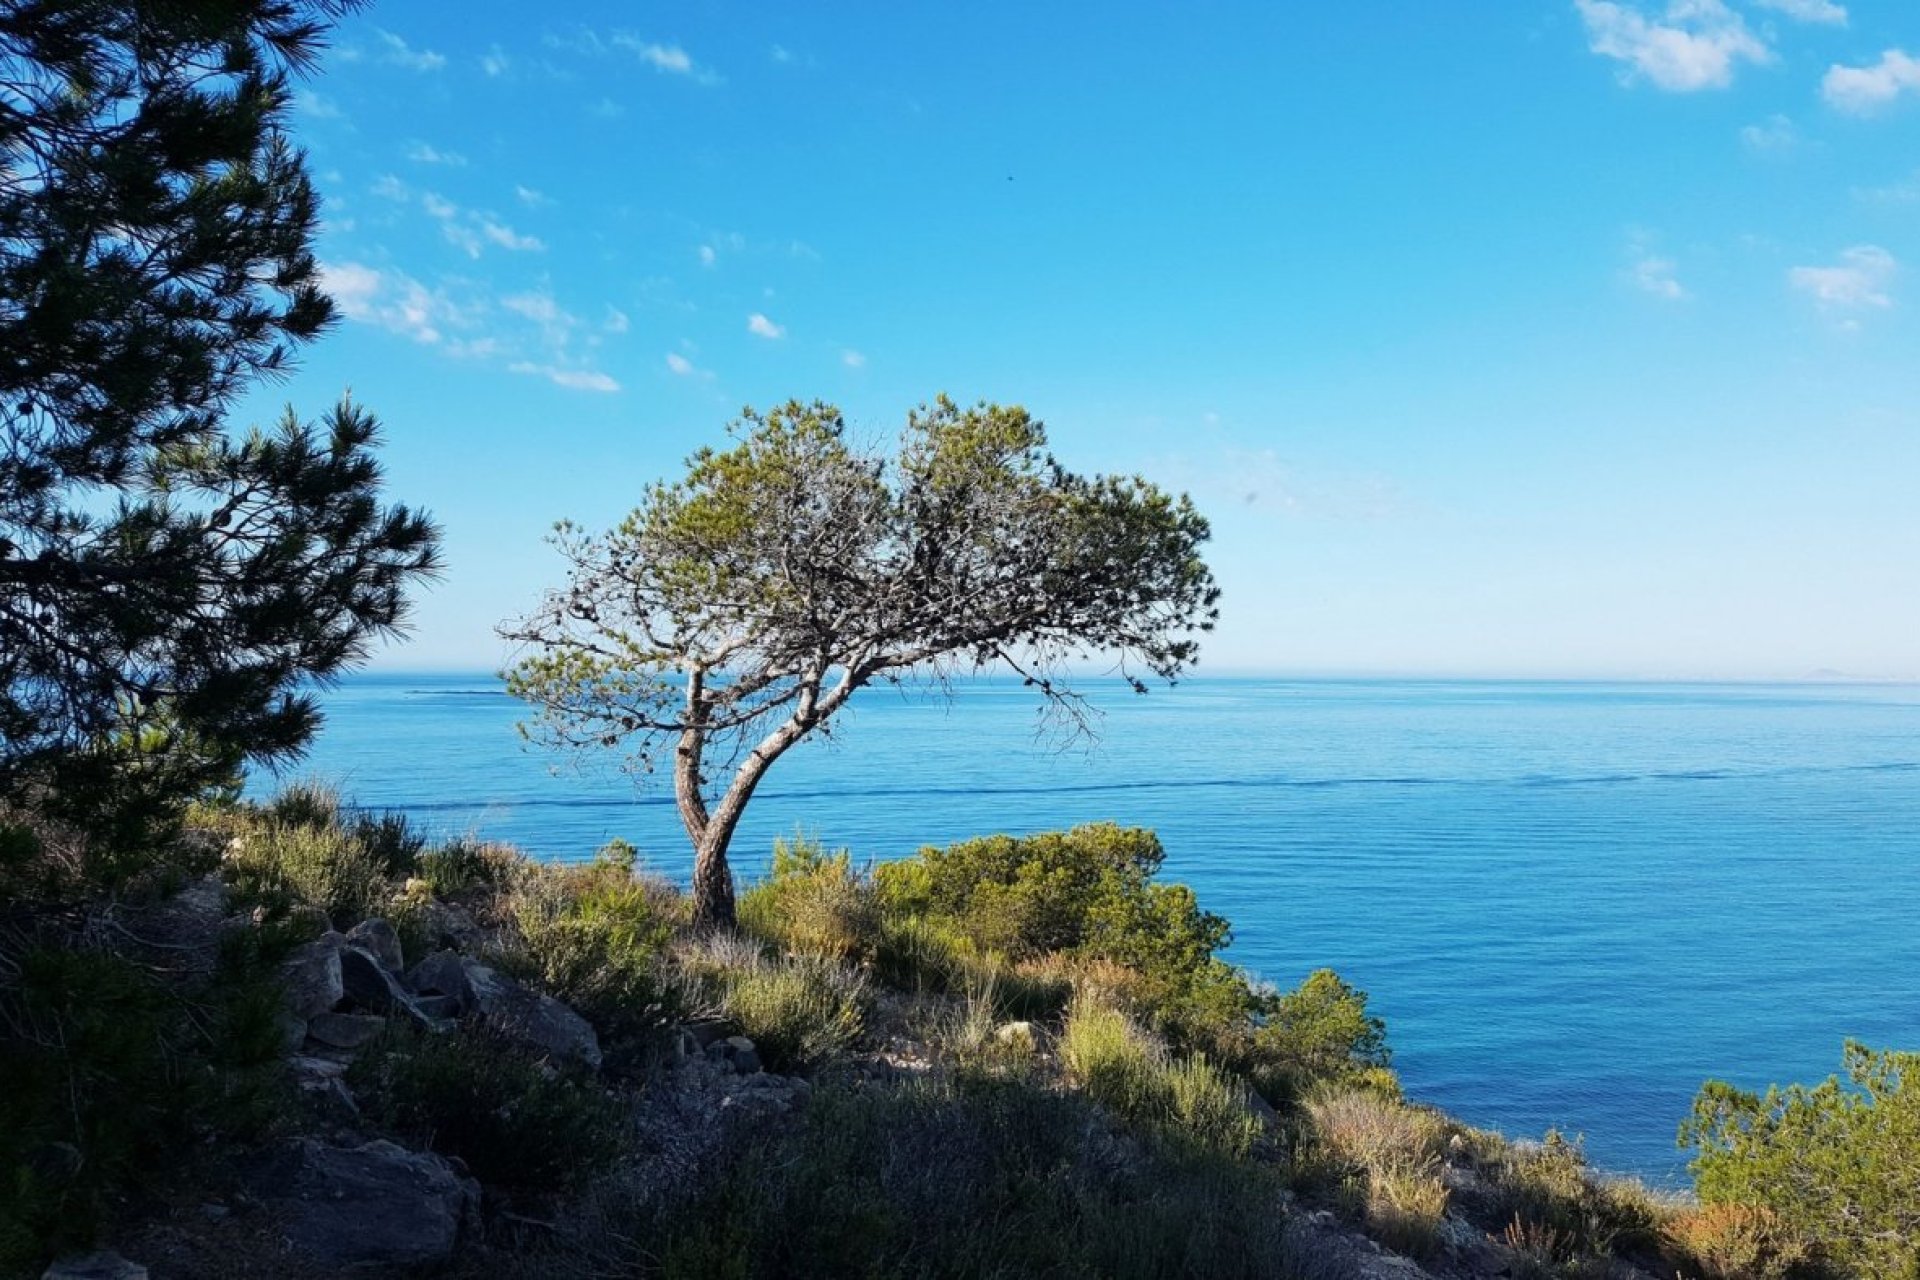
[(1320, 1031), (281, 864), (465, 863), (1738, 1242), (1124, 1069), (798, 1013), (513, 1119), (812, 903)]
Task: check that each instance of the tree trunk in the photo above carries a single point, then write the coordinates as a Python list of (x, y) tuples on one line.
[(713, 879)]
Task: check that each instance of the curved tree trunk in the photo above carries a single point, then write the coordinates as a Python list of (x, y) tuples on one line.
[(713, 879)]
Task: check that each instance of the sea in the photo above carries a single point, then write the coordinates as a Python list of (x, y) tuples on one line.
[(1571, 902)]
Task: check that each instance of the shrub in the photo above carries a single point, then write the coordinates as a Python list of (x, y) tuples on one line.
[(465, 863), (1089, 892), (1547, 1192), (596, 937), (1319, 1031), (947, 1179), (511, 1117), (1738, 1242), (1124, 1069), (813, 903), (1386, 1155), (279, 864), (1837, 1165), (108, 1075), (799, 1013)]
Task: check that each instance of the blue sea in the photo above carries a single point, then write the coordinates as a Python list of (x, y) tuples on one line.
[(1572, 902)]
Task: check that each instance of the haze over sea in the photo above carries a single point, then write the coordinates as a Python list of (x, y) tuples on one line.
[(1572, 902)]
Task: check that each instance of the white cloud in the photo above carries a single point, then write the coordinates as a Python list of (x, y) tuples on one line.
[(616, 321), (308, 103), (572, 379), (400, 54), (1693, 45), (390, 188), (669, 59), (392, 300), (1656, 276), (531, 198), (423, 153), (1775, 135), (782, 54), (1859, 282), (853, 359), (707, 255), (507, 238), (1907, 192), (495, 62), (607, 109), (438, 206), (1809, 10), (760, 326), (1861, 91)]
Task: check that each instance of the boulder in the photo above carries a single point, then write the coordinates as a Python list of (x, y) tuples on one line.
[(377, 938), (442, 974), (530, 1016), (311, 975), (737, 1052), (345, 1030), (104, 1265), (452, 927), (369, 985), (1018, 1035), (372, 1206)]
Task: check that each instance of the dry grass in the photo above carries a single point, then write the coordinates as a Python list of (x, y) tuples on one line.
[(1736, 1242), (1389, 1155)]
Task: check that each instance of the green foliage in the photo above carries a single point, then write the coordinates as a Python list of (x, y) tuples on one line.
[(1319, 1031), (812, 902), (1126, 1070), (1382, 1159), (956, 1179), (323, 866), (798, 1013), (738, 608), (168, 591), (1088, 892), (596, 937), (465, 863), (107, 1076), (1837, 1164), (510, 1116)]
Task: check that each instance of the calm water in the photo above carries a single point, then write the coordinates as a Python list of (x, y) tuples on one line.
[(1571, 902)]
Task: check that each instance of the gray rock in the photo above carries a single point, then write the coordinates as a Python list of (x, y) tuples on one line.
[(1018, 1034), (104, 1265), (369, 985), (530, 1016), (438, 1008), (452, 927), (345, 1030), (311, 975), (442, 974), (377, 1205), (746, 1057), (377, 938), (705, 1033)]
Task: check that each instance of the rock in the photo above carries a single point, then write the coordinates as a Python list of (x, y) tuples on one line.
[(104, 1265), (293, 1031), (377, 1205), (452, 927), (531, 1017), (369, 985), (442, 974), (345, 1030), (1016, 1035), (746, 1057), (309, 1069), (312, 978), (705, 1033), (437, 1008), (377, 938)]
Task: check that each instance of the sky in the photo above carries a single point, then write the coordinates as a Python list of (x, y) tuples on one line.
[(1529, 338)]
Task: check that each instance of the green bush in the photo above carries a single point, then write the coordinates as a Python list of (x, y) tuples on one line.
[(813, 903), (1837, 1165), (110, 1078), (1320, 1031), (466, 863), (596, 937), (326, 866), (1088, 892), (799, 1013), (509, 1115), (1124, 1069), (954, 1178)]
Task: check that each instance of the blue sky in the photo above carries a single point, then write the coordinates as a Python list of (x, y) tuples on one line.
[(1528, 337)]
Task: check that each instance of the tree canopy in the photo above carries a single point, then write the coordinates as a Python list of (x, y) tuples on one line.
[(166, 587), (738, 608)]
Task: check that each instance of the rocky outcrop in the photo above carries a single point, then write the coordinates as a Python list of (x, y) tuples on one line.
[(104, 1265), (531, 1017), (377, 938), (366, 1207), (312, 978)]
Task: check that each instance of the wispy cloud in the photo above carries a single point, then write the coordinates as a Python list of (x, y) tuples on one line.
[(506, 237), (531, 198), (670, 59), (708, 255), (681, 367), (1656, 276), (1907, 192), (425, 153), (1821, 11), (853, 359), (398, 52), (315, 106), (616, 321), (495, 61), (760, 326), (1861, 281), (392, 300), (1776, 135), (572, 379), (1692, 45), (1862, 91)]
